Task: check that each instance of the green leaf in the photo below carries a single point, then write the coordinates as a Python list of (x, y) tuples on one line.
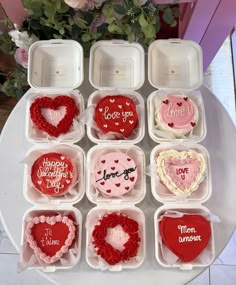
[(175, 12), (120, 9), (173, 24), (62, 31), (149, 31), (86, 37), (175, 1), (142, 21), (131, 37), (107, 10), (109, 20), (81, 24), (167, 16)]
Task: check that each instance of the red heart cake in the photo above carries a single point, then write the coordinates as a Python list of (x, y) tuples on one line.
[(181, 171), (116, 238), (116, 114), (187, 236), (50, 237), (47, 114), (114, 174), (53, 174), (177, 115)]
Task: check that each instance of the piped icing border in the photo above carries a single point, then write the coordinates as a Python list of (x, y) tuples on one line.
[(168, 181), (51, 221)]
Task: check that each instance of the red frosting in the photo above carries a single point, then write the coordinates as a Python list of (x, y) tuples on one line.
[(53, 173), (65, 123), (116, 114), (110, 254), (187, 236)]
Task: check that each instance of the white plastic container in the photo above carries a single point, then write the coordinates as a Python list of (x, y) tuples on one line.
[(94, 215), (76, 132), (27, 257), (117, 68), (74, 194), (55, 68), (55, 65), (134, 196), (175, 67), (159, 190), (205, 258)]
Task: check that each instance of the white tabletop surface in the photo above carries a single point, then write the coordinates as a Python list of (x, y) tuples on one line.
[(220, 142)]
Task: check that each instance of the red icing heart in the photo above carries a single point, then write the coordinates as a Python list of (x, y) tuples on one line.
[(117, 184), (185, 98), (50, 237), (179, 104), (187, 236), (193, 124), (116, 114), (171, 125), (129, 159), (113, 168), (116, 161), (99, 172), (108, 191), (64, 124), (102, 183), (166, 101), (103, 161), (127, 188), (132, 179)]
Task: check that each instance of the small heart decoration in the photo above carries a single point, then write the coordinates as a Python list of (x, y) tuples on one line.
[(181, 172), (171, 125), (117, 184), (193, 124), (179, 104), (166, 101), (50, 237), (102, 183), (187, 236), (64, 125)]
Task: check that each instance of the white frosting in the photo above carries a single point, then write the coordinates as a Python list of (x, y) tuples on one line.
[(168, 181)]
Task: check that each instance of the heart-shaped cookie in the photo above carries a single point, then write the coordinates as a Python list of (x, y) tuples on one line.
[(114, 174), (116, 114), (181, 171), (50, 237), (53, 174), (63, 125), (187, 236)]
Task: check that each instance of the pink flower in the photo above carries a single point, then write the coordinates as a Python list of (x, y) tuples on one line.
[(21, 57)]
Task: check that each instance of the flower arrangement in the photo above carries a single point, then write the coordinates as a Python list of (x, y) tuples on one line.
[(85, 21)]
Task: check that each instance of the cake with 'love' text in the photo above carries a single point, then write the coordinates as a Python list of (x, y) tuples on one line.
[(177, 115)]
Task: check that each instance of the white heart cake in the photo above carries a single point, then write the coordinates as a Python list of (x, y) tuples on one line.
[(181, 171)]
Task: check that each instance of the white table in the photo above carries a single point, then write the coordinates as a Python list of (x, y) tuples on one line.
[(220, 142)]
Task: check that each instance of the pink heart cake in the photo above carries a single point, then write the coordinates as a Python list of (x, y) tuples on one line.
[(177, 115), (181, 171), (50, 237), (115, 174)]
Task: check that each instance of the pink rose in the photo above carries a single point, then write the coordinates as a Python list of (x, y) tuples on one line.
[(21, 57)]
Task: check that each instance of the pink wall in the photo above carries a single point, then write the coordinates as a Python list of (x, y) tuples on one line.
[(14, 10)]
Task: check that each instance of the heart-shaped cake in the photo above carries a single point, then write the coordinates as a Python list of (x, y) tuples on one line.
[(177, 115), (50, 237), (114, 174), (116, 114), (116, 238), (181, 171), (53, 174), (54, 115), (187, 236)]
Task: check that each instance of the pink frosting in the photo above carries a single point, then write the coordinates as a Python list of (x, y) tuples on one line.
[(50, 220), (54, 116), (122, 174), (178, 113), (182, 171)]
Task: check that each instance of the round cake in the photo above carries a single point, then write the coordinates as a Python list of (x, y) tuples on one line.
[(116, 238), (181, 171), (177, 115), (53, 174), (50, 237), (117, 114), (54, 116), (185, 236), (114, 174)]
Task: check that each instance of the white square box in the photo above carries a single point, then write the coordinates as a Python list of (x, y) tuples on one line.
[(175, 67), (160, 191), (56, 68), (27, 257), (134, 196), (205, 258), (94, 215), (55, 65), (74, 194), (116, 68)]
